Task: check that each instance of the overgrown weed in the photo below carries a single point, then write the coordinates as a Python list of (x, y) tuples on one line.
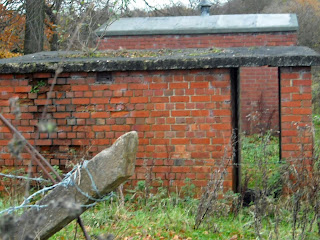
[(285, 204), (280, 209)]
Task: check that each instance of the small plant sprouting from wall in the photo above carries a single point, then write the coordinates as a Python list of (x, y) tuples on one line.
[(36, 87)]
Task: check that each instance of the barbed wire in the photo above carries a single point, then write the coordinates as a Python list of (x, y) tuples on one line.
[(14, 209), (69, 180), (39, 179)]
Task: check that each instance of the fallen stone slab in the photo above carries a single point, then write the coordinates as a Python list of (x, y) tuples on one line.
[(89, 183)]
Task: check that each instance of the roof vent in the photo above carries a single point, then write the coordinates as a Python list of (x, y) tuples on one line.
[(205, 7)]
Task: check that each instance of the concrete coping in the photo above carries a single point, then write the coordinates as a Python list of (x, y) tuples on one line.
[(200, 25), (163, 59)]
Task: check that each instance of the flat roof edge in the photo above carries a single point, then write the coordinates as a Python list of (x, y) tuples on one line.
[(250, 23), (173, 59), (196, 31)]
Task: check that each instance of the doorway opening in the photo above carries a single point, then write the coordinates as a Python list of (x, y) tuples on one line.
[(256, 129)]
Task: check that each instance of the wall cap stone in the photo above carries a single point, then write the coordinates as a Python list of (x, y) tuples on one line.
[(163, 59)]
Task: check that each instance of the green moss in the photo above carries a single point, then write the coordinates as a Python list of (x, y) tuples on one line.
[(145, 53)]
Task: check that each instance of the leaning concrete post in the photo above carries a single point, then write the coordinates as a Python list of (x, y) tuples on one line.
[(91, 182)]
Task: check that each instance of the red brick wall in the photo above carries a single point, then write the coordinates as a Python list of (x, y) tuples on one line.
[(296, 111), (198, 41), (259, 99), (259, 87), (183, 119)]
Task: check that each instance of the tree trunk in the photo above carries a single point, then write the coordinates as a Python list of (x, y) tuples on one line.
[(52, 12), (34, 34)]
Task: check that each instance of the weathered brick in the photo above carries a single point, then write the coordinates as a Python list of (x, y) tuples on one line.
[(81, 114), (41, 75), (99, 100), (22, 89), (80, 101), (139, 100), (179, 99), (200, 98), (100, 114), (79, 88)]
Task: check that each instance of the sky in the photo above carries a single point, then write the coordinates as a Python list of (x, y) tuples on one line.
[(156, 3), (159, 3)]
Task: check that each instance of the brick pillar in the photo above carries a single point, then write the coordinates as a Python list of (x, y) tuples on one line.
[(296, 113)]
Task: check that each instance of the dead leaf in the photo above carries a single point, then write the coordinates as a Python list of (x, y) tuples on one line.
[(234, 237)]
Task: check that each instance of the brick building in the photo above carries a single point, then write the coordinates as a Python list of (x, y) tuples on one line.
[(258, 88), (184, 104)]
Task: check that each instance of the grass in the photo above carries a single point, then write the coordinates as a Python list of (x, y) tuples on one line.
[(172, 217), (316, 122), (168, 220), (257, 151)]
